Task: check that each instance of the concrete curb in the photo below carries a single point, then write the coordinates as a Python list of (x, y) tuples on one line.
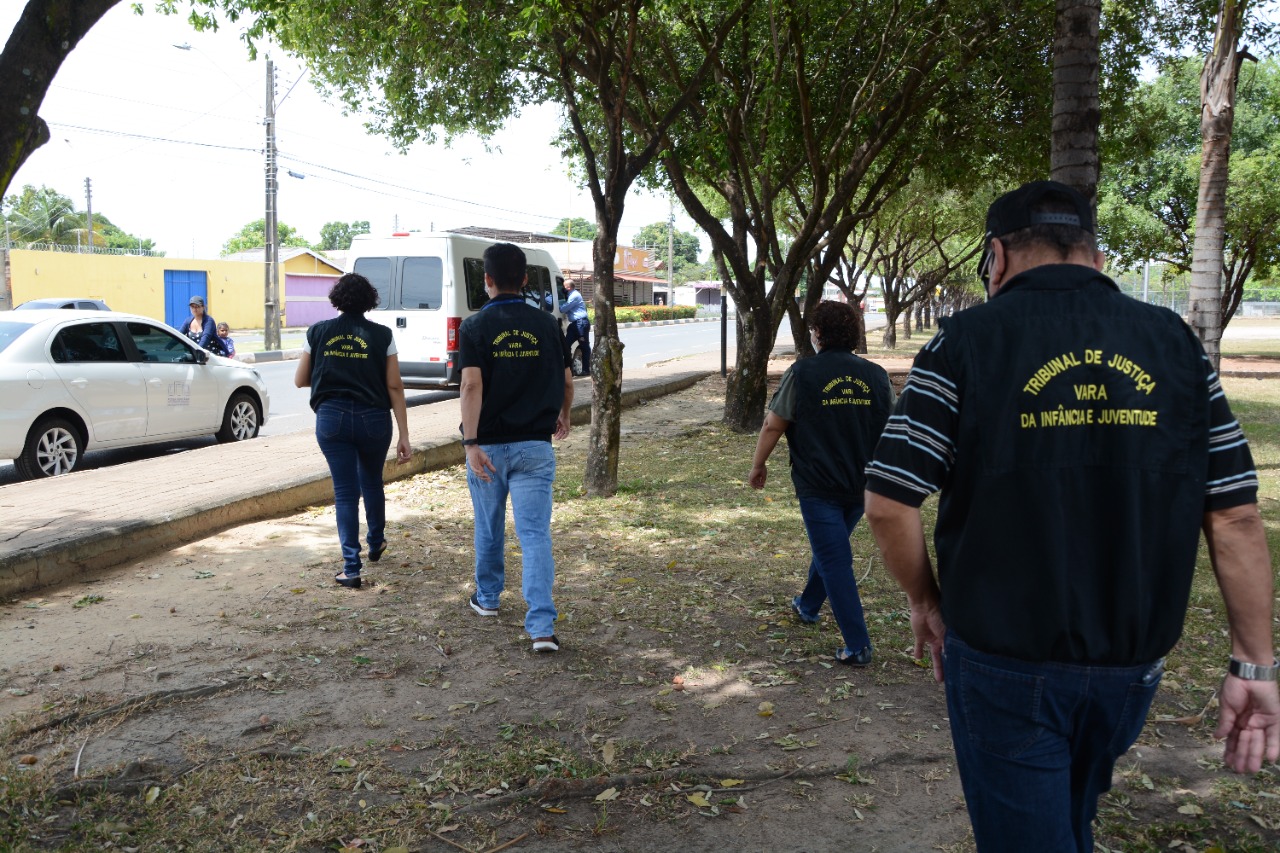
[(66, 559), (291, 354)]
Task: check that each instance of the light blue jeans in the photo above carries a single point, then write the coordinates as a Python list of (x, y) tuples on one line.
[(525, 471)]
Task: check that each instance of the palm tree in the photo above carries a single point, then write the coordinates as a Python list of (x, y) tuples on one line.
[(45, 216), (1073, 157)]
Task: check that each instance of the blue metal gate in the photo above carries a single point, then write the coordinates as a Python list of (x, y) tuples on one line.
[(179, 287)]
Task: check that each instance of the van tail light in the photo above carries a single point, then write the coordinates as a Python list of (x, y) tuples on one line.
[(451, 333)]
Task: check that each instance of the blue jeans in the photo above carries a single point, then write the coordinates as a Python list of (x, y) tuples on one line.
[(580, 330), (525, 471), (829, 525), (354, 439), (1036, 742)]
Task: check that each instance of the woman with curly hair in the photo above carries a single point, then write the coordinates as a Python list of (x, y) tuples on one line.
[(351, 366), (832, 408)]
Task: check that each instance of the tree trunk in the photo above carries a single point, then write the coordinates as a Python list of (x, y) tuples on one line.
[(1073, 155), (1217, 111), (601, 476), (861, 348), (890, 339), (748, 385), (799, 330), (46, 32)]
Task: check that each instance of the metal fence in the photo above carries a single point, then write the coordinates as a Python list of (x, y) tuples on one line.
[(78, 250)]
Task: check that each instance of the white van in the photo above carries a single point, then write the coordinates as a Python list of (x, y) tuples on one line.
[(428, 283)]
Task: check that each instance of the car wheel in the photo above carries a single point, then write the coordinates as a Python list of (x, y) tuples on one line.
[(53, 447), (580, 367), (241, 420)]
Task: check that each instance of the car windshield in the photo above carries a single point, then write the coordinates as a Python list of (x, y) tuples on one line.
[(10, 331)]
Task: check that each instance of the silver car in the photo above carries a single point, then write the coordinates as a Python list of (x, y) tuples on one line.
[(77, 380)]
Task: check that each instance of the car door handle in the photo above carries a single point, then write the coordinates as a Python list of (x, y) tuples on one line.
[(79, 383)]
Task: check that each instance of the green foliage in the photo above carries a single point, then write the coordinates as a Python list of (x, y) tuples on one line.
[(338, 235), (46, 216), (686, 248), (42, 216), (647, 313), (576, 227), (1147, 199), (254, 236), (654, 236)]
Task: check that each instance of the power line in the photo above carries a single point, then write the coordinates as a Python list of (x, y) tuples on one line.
[(153, 138), (421, 192)]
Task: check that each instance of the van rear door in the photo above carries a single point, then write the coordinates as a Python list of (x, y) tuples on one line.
[(411, 297)]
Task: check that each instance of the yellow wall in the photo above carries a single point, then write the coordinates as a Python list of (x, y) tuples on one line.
[(135, 284)]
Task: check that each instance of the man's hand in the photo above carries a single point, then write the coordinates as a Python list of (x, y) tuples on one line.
[(758, 477), (1250, 721), (926, 624), (563, 425), (479, 463)]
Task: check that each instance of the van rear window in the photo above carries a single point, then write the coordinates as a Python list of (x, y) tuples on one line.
[(537, 290), (422, 283), (473, 272), (378, 271)]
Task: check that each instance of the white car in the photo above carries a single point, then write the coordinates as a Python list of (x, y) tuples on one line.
[(74, 380)]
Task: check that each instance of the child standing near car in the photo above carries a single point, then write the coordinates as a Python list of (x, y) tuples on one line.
[(224, 334)]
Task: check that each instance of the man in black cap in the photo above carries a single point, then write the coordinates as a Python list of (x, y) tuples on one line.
[(1080, 440)]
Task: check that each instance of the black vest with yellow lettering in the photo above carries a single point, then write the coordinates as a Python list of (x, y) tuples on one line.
[(1069, 525), (349, 361), (842, 405)]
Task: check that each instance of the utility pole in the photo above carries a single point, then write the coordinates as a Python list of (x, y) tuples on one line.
[(671, 252), (88, 200), (271, 252)]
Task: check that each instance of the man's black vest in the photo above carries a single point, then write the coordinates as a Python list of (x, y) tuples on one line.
[(1069, 525), (841, 406)]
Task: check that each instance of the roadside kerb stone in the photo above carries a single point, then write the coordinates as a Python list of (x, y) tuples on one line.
[(53, 531)]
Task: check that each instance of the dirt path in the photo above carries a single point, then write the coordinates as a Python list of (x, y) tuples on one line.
[(686, 710)]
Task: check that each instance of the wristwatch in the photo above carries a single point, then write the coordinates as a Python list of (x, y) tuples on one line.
[(1253, 672)]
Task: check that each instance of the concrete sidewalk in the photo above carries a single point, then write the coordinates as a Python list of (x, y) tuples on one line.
[(53, 530)]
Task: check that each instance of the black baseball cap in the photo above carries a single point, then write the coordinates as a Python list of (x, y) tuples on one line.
[(1013, 212)]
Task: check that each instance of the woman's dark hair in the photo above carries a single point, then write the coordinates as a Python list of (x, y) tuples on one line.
[(353, 294), (836, 324)]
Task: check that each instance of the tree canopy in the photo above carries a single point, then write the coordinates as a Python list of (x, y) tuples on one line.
[(254, 236), (338, 235), (45, 215), (1147, 207), (576, 227)]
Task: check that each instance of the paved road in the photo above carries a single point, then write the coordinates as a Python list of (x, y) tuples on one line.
[(291, 411)]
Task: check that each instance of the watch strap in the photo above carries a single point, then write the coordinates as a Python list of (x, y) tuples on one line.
[(1252, 671)]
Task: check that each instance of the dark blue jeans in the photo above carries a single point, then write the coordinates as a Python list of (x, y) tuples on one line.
[(1036, 742), (354, 439), (580, 330), (829, 525)]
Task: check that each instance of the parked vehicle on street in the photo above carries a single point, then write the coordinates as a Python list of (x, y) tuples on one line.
[(428, 284), (78, 380), (70, 304)]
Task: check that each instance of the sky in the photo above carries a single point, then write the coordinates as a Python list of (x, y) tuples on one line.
[(172, 141)]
